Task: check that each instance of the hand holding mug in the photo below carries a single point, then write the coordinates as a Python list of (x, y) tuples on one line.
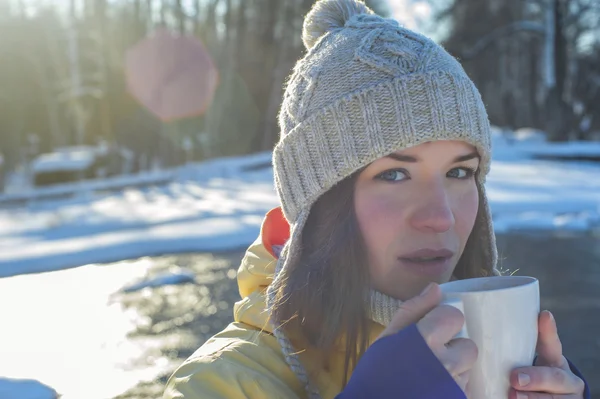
[(551, 376), (438, 324)]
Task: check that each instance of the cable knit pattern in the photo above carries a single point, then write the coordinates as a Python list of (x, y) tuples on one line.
[(367, 125), (363, 92), (368, 87)]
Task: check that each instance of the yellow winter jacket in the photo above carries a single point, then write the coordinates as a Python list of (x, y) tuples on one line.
[(245, 360)]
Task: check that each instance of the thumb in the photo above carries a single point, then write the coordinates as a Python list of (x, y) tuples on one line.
[(414, 309), (549, 347)]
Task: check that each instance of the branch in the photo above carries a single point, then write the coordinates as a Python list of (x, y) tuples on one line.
[(518, 26), (447, 11), (574, 17), (541, 3), (180, 12)]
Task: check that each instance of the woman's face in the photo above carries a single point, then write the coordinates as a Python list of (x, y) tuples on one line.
[(416, 209)]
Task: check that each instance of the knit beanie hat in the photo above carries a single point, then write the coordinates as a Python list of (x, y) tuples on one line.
[(366, 88)]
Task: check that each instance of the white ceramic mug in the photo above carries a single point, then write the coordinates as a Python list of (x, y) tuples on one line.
[(501, 317)]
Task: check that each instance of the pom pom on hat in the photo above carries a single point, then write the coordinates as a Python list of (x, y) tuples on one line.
[(327, 15)]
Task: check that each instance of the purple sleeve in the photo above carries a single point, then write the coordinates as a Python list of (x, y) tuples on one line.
[(401, 365), (586, 393)]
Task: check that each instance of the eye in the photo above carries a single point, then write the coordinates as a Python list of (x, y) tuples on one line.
[(393, 175), (461, 173)]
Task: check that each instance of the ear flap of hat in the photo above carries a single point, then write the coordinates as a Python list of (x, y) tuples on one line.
[(291, 251), (480, 256)]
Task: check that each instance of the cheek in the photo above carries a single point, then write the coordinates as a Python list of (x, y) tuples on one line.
[(465, 212), (379, 218)]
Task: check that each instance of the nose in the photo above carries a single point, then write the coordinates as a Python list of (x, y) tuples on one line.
[(433, 212)]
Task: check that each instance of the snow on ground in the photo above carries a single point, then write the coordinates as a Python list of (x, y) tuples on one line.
[(64, 330), (219, 205), (68, 159), (534, 194), (213, 206)]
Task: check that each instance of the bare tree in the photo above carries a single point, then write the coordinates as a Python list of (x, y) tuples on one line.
[(522, 54), (281, 69), (181, 17)]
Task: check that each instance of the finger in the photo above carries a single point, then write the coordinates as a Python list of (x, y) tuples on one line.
[(414, 309), (441, 325), (539, 395), (467, 389), (546, 379), (549, 347), (460, 356), (462, 381)]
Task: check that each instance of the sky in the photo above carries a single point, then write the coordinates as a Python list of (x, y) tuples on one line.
[(418, 15), (411, 13)]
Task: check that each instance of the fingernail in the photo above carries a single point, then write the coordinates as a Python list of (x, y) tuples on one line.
[(521, 395), (551, 315), (524, 380), (427, 289)]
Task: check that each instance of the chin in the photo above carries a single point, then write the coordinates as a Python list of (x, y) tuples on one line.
[(408, 285), (403, 293)]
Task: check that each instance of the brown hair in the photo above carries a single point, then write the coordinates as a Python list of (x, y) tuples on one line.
[(322, 294)]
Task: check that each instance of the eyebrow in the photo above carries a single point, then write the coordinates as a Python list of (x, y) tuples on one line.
[(411, 159)]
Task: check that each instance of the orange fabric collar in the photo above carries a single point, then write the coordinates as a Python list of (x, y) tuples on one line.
[(275, 231)]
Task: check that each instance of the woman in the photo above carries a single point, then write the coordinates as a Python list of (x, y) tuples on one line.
[(384, 149)]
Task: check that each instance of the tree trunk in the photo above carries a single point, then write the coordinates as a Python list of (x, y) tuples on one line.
[(280, 71), (101, 23), (50, 103), (560, 45), (163, 13), (558, 113), (228, 23), (532, 97), (241, 34), (196, 24), (180, 16), (210, 25), (73, 10), (137, 18), (549, 46), (149, 10)]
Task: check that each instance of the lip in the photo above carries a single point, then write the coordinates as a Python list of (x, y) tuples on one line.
[(435, 267), (429, 253)]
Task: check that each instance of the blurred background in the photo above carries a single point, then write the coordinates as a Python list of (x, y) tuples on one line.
[(135, 140)]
